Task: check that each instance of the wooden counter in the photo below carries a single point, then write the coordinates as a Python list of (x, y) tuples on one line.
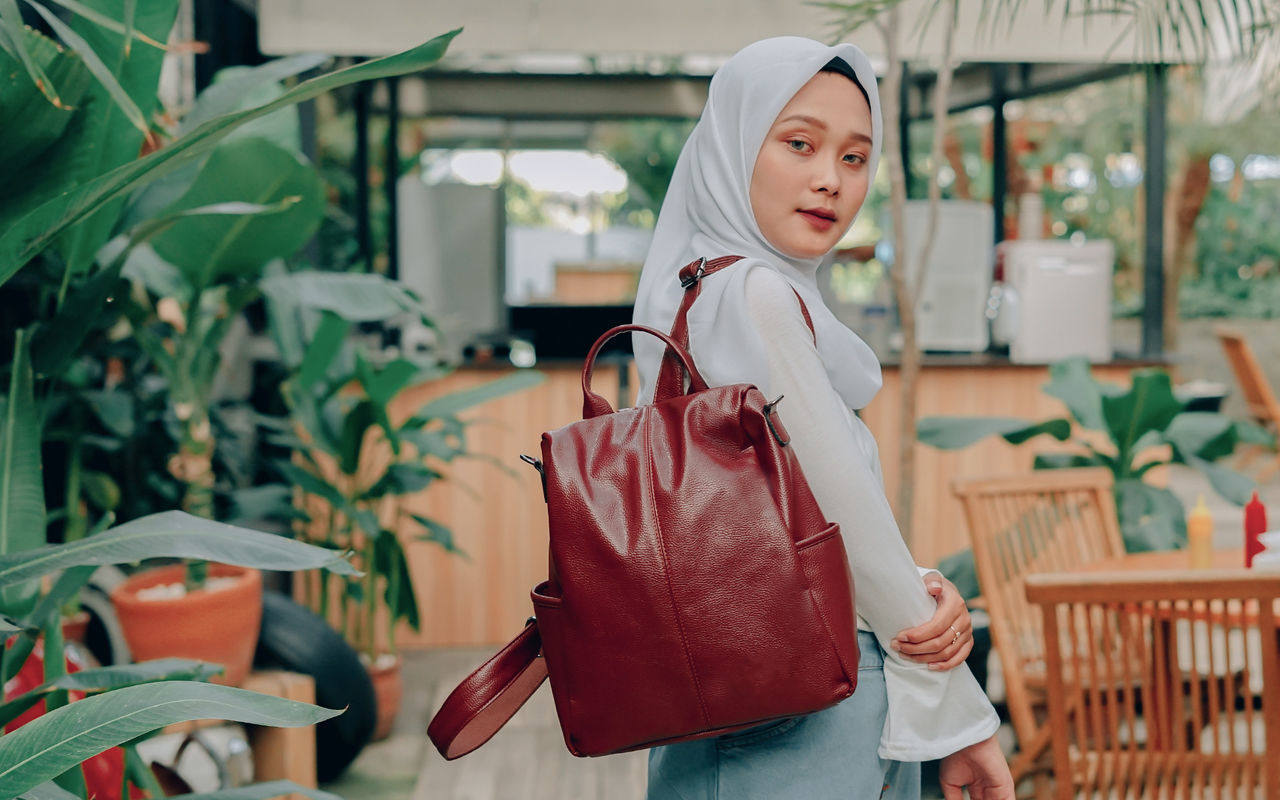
[(500, 519)]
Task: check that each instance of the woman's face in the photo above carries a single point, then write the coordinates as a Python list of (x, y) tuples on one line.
[(811, 174)]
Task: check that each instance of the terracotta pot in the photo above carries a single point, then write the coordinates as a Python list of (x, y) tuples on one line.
[(388, 688), (218, 626)]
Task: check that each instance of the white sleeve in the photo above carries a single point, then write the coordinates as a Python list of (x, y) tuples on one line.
[(931, 714)]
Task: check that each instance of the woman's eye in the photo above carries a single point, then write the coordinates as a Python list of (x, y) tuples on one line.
[(854, 158), (799, 145)]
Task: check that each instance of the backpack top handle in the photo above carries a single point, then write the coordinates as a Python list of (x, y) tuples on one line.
[(593, 405)]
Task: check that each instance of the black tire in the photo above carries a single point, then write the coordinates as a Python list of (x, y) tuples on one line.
[(295, 639)]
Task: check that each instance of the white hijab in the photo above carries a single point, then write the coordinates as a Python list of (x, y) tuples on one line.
[(707, 212)]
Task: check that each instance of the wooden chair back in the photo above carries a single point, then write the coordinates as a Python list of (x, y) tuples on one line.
[(1163, 684), (1263, 406), (1043, 521)]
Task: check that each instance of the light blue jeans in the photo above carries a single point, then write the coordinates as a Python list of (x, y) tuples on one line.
[(827, 755)]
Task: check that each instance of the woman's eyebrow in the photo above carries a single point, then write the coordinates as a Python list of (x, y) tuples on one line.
[(819, 124)]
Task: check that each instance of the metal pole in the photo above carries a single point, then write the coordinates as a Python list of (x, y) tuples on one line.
[(361, 168), (1153, 235), (391, 169), (999, 150)]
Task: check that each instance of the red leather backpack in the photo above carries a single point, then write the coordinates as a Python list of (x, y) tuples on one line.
[(695, 587)]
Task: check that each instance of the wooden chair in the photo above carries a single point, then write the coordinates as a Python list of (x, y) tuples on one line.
[(1258, 395), (1163, 684), (1043, 521)]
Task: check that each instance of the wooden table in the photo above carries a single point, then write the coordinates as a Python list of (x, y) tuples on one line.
[(1168, 561)]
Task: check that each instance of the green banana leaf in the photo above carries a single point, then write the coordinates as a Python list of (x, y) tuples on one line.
[(22, 510), (48, 791), (1148, 406), (1071, 382), (213, 249), (1225, 481), (42, 122), (228, 93), (109, 133), (103, 679), (1151, 518), (39, 228), (953, 433), (57, 741), (173, 534)]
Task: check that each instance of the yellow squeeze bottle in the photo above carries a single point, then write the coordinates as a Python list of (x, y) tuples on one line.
[(1200, 536)]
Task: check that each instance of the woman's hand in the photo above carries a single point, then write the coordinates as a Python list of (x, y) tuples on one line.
[(945, 640), (981, 768)]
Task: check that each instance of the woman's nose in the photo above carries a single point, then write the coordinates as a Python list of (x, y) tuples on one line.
[(826, 178)]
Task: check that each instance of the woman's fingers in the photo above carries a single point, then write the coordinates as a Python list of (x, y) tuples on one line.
[(942, 654), (950, 616)]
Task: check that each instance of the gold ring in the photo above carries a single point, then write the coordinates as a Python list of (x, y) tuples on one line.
[(955, 638)]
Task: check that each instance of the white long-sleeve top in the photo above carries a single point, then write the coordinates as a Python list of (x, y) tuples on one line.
[(931, 713)]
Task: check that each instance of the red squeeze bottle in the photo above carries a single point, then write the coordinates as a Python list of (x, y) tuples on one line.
[(1255, 522)]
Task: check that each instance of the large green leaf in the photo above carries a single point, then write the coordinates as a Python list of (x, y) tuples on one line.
[(48, 791), (39, 228), (22, 511), (1227, 482), (1065, 461), (297, 301), (174, 534), (209, 250), (1149, 405), (228, 93), (1201, 434), (42, 122), (111, 134), (1150, 518), (57, 741), (1071, 381), (104, 75), (953, 433), (16, 44), (102, 679)]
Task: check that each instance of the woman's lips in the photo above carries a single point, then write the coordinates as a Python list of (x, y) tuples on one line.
[(818, 218)]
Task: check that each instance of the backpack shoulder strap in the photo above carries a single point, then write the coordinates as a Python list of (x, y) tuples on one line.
[(670, 378), (490, 696)]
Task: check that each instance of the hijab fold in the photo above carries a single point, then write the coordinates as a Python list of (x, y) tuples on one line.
[(707, 213)]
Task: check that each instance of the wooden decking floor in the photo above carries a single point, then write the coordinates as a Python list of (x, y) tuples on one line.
[(526, 760)]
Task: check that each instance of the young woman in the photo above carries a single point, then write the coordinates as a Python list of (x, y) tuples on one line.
[(776, 170)]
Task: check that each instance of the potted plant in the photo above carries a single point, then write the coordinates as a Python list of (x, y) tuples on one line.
[(357, 459), (86, 109), (1135, 430), (206, 250)]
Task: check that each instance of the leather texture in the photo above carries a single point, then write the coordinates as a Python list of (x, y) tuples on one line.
[(694, 586)]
